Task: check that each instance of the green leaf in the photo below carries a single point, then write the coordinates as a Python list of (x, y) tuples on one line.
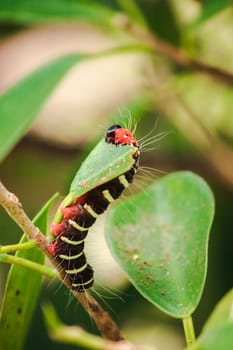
[(210, 9), (161, 19), (160, 238), (22, 291), (218, 331), (221, 339), (214, 111), (31, 11), (132, 10), (20, 105), (104, 163), (222, 313)]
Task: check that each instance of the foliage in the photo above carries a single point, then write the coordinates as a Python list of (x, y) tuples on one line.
[(160, 236), (162, 247), (22, 291)]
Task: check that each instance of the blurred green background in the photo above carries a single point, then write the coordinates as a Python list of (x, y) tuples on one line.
[(195, 109)]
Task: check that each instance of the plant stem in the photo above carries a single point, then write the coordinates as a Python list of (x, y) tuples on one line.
[(133, 11), (29, 264), (76, 336), (175, 54), (15, 247), (14, 208), (189, 330)]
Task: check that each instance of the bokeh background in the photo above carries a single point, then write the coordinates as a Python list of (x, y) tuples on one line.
[(193, 109)]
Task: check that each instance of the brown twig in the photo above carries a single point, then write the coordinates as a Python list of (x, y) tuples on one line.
[(182, 59), (216, 152), (72, 335), (175, 54), (12, 205)]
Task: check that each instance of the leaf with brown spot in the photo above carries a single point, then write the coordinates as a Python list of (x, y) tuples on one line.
[(168, 226)]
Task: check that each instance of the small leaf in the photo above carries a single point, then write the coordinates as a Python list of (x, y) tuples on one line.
[(210, 9), (104, 163), (22, 291), (222, 313), (221, 338), (32, 11), (132, 10), (20, 104), (218, 331), (160, 238)]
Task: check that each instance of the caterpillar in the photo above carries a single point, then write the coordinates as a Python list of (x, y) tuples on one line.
[(77, 214)]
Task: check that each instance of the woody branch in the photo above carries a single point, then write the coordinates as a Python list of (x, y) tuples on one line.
[(14, 208)]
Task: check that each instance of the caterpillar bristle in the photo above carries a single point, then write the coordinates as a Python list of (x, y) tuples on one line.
[(80, 215)]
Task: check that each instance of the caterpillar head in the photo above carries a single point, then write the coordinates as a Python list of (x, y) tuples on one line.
[(120, 137)]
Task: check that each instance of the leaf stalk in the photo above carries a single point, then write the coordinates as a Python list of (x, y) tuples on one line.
[(10, 259), (15, 247), (189, 330), (15, 210)]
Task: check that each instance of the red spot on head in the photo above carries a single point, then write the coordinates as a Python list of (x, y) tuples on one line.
[(120, 136), (124, 137)]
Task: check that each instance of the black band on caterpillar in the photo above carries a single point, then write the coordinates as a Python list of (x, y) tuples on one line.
[(68, 247)]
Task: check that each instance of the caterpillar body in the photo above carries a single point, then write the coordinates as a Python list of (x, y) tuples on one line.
[(75, 219)]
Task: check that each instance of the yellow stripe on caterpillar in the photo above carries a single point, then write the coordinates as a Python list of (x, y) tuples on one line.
[(82, 284), (69, 241), (70, 257), (76, 271), (90, 211), (123, 180), (107, 195), (77, 226)]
